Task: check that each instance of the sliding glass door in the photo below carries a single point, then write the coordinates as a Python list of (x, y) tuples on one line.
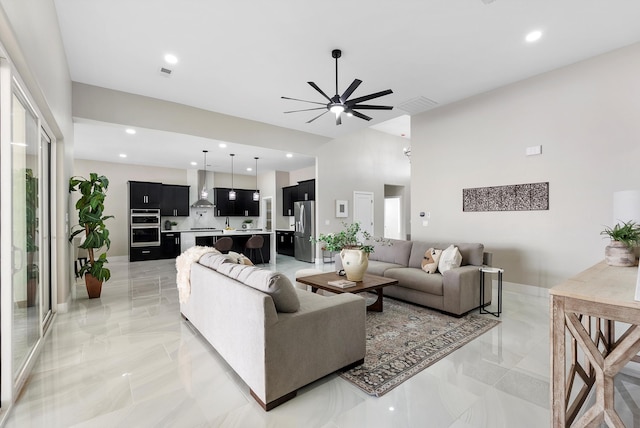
[(26, 231), (26, 269)]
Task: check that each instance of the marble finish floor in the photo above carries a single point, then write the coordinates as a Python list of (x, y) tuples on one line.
[(129, 359)]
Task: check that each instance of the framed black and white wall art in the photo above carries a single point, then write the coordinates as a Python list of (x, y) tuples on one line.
[(342, 209), (515, 197)]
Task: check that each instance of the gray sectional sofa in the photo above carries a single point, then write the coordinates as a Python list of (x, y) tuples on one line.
[(456, 292), (275, 337)]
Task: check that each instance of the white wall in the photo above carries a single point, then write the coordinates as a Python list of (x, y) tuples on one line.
[(308, 173), (30, 36), (106, 105), (29, 32), (366, 161), (585, 116)]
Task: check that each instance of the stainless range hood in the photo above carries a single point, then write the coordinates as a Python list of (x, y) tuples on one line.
[(201, 185)]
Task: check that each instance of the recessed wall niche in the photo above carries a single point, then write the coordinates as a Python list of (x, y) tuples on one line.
[(514, 197)]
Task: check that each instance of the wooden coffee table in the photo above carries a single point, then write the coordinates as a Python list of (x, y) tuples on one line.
[(368, 283)]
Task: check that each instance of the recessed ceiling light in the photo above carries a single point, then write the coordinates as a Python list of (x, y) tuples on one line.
[(171, 59), (289, 155), (222, 145), (194, 163), (533, 36), (130, 131), (122, 155), (249, 169)]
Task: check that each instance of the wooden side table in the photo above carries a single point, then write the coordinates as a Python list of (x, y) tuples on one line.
[(587, 306), (491, 270)]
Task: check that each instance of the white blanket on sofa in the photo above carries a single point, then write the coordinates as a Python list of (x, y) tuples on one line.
[(183, 265)]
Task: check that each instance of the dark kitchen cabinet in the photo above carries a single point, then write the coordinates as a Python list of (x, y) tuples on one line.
[(243, 206), (289, 196), (137, 254), (143, 194), (223, 206), (284, 242), (303, 191), (170, 245), (307, 190), (175, 200)]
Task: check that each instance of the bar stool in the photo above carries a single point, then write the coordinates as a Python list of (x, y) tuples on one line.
[(223, 244), (255, 243)]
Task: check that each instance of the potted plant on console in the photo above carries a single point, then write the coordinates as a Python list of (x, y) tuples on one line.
[(624, 238), (353, 252), (91, 219)]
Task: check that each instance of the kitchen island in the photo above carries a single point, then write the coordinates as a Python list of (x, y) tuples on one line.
[(208, 236)]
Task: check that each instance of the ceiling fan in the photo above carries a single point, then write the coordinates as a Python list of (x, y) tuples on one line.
[(339, 104)]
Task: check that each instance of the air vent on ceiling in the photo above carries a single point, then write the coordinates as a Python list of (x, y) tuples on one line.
[(165, 72), (417, 105)]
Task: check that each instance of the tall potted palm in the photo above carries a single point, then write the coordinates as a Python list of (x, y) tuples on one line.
[(91, 219)]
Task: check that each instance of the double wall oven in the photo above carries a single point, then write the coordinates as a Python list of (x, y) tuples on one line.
[(145, 227)]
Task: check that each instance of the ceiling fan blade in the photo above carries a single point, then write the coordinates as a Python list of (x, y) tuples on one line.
[(309, 121), (338, 119), (306, 109), (370, 107), (360, 115), (305, 101), (354, 85), (314, 86), (355, 101)]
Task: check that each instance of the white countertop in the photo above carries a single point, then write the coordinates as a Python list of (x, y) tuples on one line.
[(220, 232)]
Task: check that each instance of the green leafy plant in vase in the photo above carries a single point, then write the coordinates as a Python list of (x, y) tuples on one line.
[(624, 238), (354, 251), (91, 219)]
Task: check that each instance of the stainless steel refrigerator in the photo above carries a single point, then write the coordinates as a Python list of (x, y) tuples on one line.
[(305, 218)]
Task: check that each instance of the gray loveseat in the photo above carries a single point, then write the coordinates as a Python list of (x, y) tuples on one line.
[(275, 337), (456, 292)]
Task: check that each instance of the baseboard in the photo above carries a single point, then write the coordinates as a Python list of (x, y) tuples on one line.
[(63, 308), (514, 287)]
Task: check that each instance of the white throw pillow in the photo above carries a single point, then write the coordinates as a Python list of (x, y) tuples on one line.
[(449, 259)]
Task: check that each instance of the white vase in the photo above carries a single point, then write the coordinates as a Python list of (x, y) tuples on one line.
[(618, 254), (354, 263)]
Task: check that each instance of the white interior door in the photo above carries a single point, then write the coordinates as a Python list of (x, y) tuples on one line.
[(363, 210)]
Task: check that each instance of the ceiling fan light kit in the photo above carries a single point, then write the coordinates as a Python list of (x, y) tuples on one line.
[(339, 104)]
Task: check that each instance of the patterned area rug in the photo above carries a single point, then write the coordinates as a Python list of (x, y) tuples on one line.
[(405, 339)]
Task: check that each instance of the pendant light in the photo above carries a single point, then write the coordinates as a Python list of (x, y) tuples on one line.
[(256, 194), (232, 193)]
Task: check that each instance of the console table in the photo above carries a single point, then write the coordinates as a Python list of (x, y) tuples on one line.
[(587, 306)]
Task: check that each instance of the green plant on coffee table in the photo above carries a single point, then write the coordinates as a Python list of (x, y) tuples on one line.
[(91, 219), (628, 233), (348, 238)]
